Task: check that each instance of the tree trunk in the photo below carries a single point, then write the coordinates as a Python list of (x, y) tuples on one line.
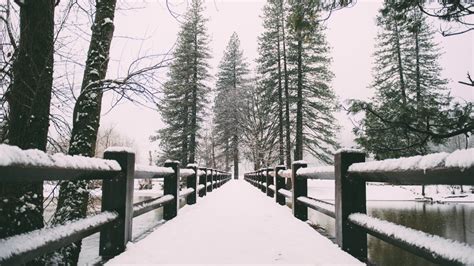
[(184, 136), (29, 100), (236, 157), (287, 93), (193, 126), (400, 66), (281, 152), (73, 196), (227, 155), (299, 102)]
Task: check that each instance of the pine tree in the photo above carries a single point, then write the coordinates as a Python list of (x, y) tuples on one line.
[(271, 71), (407, 87), (231, 85), (310, 79), (185, 92)]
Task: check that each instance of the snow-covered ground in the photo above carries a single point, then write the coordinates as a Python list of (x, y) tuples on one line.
[(235, 224)]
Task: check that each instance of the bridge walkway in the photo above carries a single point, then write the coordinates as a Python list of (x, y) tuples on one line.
[(236, 224)]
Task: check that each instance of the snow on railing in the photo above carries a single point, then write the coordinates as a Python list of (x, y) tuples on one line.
[(185, 192), (272, 187), (285, 173), (200, 187), (14, 156), (285, 193), (186, 172), (201, 172), (146, 206), (119, 149), (459, 159), (434, 246), (320, 172), (25, 246), (153, 169)]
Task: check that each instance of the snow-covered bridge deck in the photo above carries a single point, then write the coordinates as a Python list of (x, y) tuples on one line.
[(235, 224)]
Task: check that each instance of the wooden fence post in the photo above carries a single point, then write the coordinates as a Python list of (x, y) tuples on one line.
[(191, 182), (214, 179), (279, 183), (269, 181), (202, 181), (209, 179), (300, 188), (117, 196), (263, 179), (350, 198), (171, 187)]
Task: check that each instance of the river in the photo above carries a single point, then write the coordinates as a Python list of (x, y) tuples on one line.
[(452, 221)]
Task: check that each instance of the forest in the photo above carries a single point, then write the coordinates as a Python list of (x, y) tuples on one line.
[(280, 112)]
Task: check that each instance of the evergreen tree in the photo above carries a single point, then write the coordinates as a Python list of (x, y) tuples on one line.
[(185, 92), (231, 85), (407, 87), (271, 70), (310, 78)]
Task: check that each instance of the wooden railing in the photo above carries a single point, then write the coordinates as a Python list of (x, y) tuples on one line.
[(351, 174), (117, 171)]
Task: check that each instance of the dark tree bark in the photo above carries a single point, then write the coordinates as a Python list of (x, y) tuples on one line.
[(299, 100), (281, 149), (193, 126), (287, 95), (184, 138), (73, 195), (21, 205), (236, 157)]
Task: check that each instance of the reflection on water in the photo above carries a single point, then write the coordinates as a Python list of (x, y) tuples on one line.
[(453, 221)]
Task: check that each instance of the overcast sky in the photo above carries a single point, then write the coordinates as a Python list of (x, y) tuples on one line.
[(350, 33)]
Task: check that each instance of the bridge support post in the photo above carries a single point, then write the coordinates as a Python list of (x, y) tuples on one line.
[(300, 188), (171, 187), (350, 198), (279, 183), (117, 196), (191, 182), (262, 180)]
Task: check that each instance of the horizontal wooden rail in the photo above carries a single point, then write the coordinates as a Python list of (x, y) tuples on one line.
[(318, 205), (430, 247), (285, 193), (32, 174), (436, 176), (20, 249), (322, 172), (149, 205), (118, 171)]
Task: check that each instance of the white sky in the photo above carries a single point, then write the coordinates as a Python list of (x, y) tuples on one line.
[(351, 34)]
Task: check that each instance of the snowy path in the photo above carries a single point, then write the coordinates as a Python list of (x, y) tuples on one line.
[(235, 224)]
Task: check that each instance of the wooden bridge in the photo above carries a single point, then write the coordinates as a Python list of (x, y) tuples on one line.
[(235, 223)]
